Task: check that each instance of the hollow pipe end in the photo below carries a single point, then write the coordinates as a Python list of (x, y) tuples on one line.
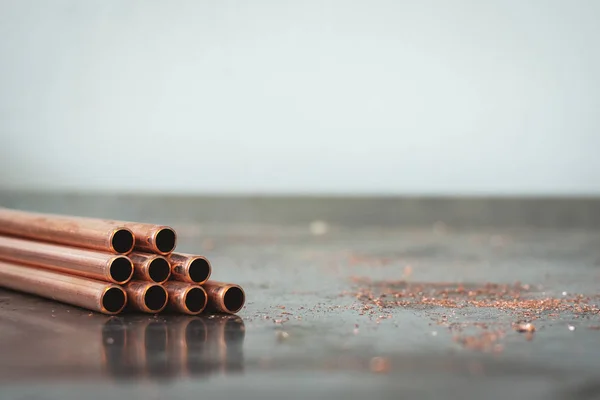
[(232, 299), (199, 270), (155, 298), (113, 300), (163, 240), (195, 300), (120, 270), (122, 240)]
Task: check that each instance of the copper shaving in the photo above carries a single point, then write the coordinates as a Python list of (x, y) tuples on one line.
[(523, 327), (377, 298), (516, 297)]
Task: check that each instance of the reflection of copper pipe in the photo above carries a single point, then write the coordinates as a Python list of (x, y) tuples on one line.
[(204, 345), (224, 297), (69, 337), (138, 346), (225, 342), (72, 231), (155, 344), (185, 297), (87, 263), (147, 297), (104, 297), (143, 353), (150, 267), (114, 342), (134, 353), (190, 268), (186, 345), (234, 332)]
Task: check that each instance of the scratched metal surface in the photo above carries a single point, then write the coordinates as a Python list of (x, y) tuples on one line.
[(303, 332)]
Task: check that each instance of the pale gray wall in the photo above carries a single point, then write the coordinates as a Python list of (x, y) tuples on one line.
[(397, 96)]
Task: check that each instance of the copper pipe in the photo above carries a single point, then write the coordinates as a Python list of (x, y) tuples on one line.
[(87, 263), (186, 298), (94, 295), (146, 296), (152, 238), (80, 232), (189, 268), (224, 297), (150, 267)]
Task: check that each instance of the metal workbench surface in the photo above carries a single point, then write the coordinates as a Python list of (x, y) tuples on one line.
[(346, 298)]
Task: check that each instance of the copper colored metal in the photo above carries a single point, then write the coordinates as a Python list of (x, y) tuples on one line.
[(146, 297), (202, 346), (87, 263), (186, 298), (114, 343), (103, 297), (151, 238), (73, 231), (187, 346), (225, 343), (224, 297), (150, 267), (142, 353), (189, 268)]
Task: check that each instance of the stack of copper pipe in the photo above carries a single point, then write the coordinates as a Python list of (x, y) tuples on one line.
[(108, 266)]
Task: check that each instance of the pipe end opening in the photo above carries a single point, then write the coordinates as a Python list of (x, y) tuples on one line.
[(122, 241), (234, 299)]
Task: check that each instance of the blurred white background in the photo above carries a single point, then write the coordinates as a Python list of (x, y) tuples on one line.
[(367, 97)]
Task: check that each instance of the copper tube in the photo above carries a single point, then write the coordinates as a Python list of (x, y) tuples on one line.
[(186, 298), (152, 238), (224, 297), (103, 297), (87, 263), (80, 232), (150, 267), (189, 268), (146, 297)]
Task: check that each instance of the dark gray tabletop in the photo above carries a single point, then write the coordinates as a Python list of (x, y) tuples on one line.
[(355, 298)]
